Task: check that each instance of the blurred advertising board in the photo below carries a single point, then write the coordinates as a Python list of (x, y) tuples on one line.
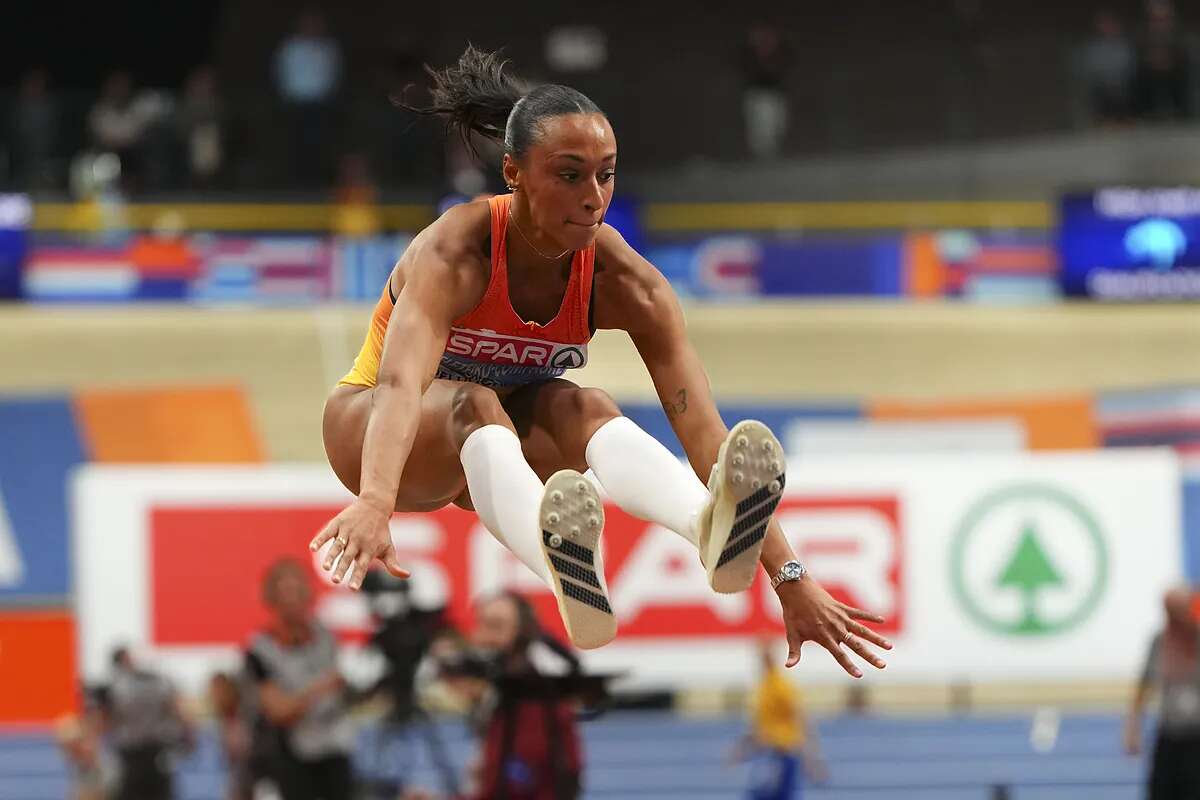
[(211, 268), (1131, 243), (16, 212), (998, 566), (973, 265)]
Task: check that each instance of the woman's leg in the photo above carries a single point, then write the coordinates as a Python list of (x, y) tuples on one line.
[(564, 425), (466, 450), (465, 447), (433, 475)]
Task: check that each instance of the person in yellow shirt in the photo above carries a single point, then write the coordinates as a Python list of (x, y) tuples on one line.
[(781, 743)]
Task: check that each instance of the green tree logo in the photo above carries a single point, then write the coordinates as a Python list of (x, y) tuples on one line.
[(1029, 571), (1007, 579)]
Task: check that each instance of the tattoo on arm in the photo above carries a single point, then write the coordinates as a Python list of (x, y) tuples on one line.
[(678, 406)]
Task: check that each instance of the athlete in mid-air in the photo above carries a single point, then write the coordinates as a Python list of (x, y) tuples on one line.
[(457, 394)]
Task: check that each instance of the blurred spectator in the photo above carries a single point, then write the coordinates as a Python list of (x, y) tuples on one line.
[(357, 212), (1107, 66), (308, 67), (531, 747), (1173, 667), (115, 125), (781, 744), (1163, 69), (202, 128), (303, 736), (765, 63), (134, 128), (34, 132), (234, 735), (145, 722), (79, 740)]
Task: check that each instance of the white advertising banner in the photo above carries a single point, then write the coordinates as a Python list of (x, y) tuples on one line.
[(1042, 567)]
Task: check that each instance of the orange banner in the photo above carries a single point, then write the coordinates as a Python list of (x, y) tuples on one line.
[(192, 425), (1051, 423), (37, 666)]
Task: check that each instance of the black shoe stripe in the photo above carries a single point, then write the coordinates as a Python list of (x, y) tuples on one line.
[(735, 550), (771, 502), (587, 597), (751, 521), (762, 494), (573, 570), (737, 537), (568, 548)]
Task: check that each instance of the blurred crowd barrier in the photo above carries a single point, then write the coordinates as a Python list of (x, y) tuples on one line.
[(105, 249)]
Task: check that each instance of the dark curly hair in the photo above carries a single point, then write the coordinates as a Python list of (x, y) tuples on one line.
[(478, 95)]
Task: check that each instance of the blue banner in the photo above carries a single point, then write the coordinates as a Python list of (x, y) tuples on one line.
[(1125, 243), (15, 215), (732, 267), (39, 446), (650, 417)]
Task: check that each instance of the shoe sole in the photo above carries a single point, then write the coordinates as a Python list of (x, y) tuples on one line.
[(572, 518), (751, 474)]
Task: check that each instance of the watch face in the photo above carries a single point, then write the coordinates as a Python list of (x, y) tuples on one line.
[(791, 571)]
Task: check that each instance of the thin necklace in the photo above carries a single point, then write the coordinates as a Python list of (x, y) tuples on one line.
[(531, 244)]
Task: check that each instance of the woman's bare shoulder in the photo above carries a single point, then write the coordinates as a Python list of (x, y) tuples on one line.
[(629, 289), (456, 243)]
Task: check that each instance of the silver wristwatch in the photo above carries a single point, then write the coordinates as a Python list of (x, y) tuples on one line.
[(790, 571)]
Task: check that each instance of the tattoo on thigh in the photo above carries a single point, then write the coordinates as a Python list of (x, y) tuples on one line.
[(678, 406)]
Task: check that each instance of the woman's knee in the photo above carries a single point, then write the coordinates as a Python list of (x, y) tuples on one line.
[(473, 407), (593, 408)]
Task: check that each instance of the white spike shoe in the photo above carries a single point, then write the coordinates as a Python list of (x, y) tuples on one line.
[(746, 485), (572, 518)]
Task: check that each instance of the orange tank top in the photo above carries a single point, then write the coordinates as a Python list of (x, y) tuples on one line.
[(491, 344)]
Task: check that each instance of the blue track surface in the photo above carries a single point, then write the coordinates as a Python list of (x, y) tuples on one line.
[(665, 757)]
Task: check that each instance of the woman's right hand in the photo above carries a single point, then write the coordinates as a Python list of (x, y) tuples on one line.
[(360, 534)]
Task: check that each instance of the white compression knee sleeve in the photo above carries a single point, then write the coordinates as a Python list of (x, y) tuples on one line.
[(644, 478), (506, 493)]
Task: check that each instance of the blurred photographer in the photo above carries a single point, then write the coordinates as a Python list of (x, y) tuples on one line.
[(1173, 667), (144, 719), (405, 637), (526, 714), (302, 734)]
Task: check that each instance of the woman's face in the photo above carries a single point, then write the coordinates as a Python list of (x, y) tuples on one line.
[(568, 177)]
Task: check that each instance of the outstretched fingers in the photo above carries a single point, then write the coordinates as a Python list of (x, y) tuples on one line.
[(348, 556), (858, 613), (331, 555), (327, 533), (793, 656), (359, 570), (392, 563), (871, 636), (864, 652), (834, 646)]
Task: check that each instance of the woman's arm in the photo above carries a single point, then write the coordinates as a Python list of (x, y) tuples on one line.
[(635, 297), (434, 295), (444, 277)]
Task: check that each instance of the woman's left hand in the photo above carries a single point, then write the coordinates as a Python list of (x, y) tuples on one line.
[(811, 614)]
